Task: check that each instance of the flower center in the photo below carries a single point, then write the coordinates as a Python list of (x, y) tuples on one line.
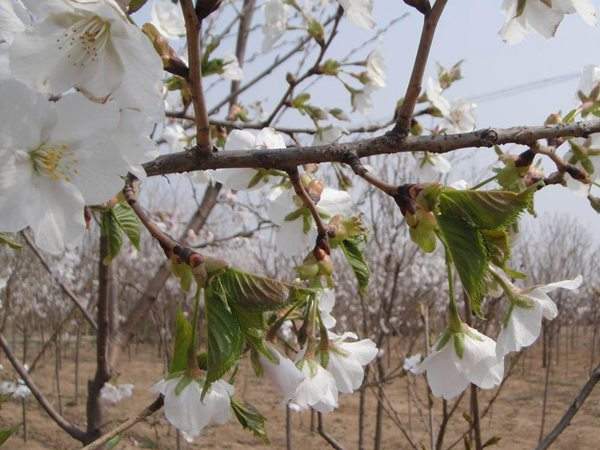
[(84, 40), (57, 162)]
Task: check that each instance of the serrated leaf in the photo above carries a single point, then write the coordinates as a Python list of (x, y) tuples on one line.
[(6, 434), (497, 245), (183, 340), (467, 250), (254, 292), (224, 336), (129, 222), (5, 239), (111, 230), (354, 255), (485, 209), (250, 419)]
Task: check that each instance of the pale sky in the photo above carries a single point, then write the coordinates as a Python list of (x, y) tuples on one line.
[(468, 30)]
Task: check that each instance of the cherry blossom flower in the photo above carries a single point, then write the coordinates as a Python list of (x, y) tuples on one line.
[(114, 394), (167, 17), (362, 101), (376, 69), (523, 323), (57, 158), (460, 358), (326, 301), (276, 17), (318, 390), (91, 46), (590, 77), (187, 411), (429, 166), (239, 179), (231, 68), (411, 363), (328, 135), (541, 17), (296, 229), (347, 360), (359, 12), (284, 374), (460, 118)]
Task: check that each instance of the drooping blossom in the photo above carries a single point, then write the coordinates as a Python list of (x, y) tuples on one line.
[(347, 360), (283, 374)]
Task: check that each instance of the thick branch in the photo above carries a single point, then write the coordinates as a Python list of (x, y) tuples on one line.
[(71, 429), (576, 404), (389, 143), (413, 90), (68, 292), (192, 27)]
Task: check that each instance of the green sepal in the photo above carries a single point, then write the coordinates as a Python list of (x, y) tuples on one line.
[(458, 340), (183, 340)]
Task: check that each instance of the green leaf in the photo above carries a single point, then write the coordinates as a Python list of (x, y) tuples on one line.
[(5, 239), (467, 250), (424, 236), (6, 434), (113, 442), (354, 255), (183, 340), (255, 292), (111, 230), (250, 419), (497, 245), (485, 209), (224, 336), (570, 117), (128, 221)]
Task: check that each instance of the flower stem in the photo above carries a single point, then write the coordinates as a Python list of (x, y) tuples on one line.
[(192, 360), (484, 182), (455, 323)]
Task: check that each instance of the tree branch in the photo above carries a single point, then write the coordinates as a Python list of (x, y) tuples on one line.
[(67, 426), (68, 292), (389, 143), (573, 408), (413, 90), (129, 423), (192, 27)]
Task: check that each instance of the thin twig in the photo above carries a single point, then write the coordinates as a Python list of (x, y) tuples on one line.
[(192, 27), (146, 412), (68, 292), (413, 90)]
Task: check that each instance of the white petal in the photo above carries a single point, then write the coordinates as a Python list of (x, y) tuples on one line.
[(444, 378), (334, 201), (522, 329)]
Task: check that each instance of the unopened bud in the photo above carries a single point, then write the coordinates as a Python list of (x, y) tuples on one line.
[(553, 119)]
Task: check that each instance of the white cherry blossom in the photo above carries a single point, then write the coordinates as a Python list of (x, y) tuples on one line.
[(318, 390), (276, 17), (461, 117), (114, 394), (297, 232), (541, 17), (411, 363), (448, 373), (91, 46), (590, 77), (359, 12), (231, 68), (528, 307), (362, 101), (167, 17), (328, 135), (376, 69), (57, 158), (239, 179), (326, 301), (284, 374), (347, 360), (429, 166), (188, 412)]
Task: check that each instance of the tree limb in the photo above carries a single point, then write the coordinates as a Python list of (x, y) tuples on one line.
[(390, 143)]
